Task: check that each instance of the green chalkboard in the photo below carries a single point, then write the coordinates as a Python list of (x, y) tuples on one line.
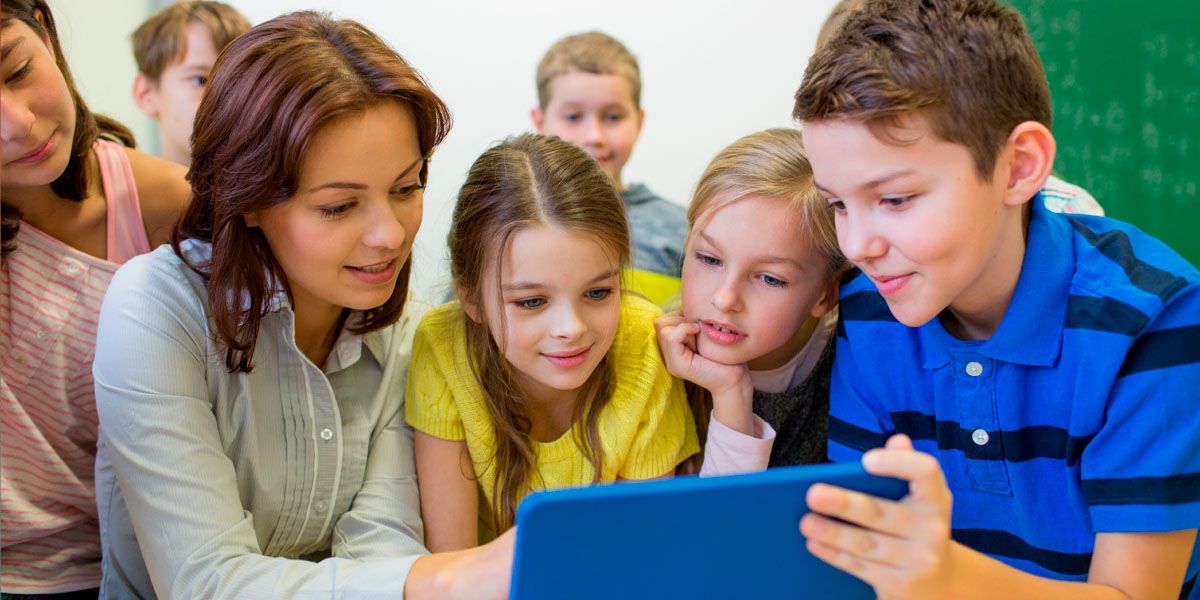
[(1125, 81)]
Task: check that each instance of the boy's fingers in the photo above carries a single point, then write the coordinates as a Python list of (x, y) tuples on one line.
[(857, 542), (874, 574), (866, 511), (926, 482)]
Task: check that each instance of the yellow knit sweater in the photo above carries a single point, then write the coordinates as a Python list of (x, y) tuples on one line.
[(646, 429)]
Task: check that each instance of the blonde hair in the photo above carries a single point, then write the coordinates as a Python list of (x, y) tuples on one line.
[(159, 40), (592, 52), (772, 164), (522, 182), (768, 164)]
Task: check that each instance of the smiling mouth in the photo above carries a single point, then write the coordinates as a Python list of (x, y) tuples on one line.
[(567, 358), (375, 268)]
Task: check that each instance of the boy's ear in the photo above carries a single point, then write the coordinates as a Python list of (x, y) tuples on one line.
[(539, 120), (145, 95), (251, 219), (1032, 149)]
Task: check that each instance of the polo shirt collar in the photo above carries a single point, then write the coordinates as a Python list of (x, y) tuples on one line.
[(1031, 332)]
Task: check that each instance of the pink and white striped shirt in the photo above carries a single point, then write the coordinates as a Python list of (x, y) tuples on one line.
[(50, 295)]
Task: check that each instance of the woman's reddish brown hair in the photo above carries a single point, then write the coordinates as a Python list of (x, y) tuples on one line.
[(271, 90)]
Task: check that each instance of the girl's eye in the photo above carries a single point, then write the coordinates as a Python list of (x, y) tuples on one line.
[(895, 201), (613, 117), (334, 212), (837, 206), (19, 74), (530, 303), (198, 80), (707, 260), (408, 191), (771, 280), (598, 293)]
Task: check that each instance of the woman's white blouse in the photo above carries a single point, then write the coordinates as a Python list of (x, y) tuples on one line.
[(209, 483)]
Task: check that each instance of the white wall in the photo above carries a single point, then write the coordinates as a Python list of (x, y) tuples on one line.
[(95, 37), (712, 71)]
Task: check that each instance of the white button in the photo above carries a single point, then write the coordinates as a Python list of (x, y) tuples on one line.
[(321, 505), (974, 369), (72, 267), (980, 437), (326, 434), (41, 334)]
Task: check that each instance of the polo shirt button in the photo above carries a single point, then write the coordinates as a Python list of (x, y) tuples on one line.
[(321, 504), (326, 434), (974, 369), (980, 437)]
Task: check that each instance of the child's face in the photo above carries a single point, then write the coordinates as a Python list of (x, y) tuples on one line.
[(174, 99), (595, 112), (343, 237), (37, 117), (919, 221), (751, 282), (561, 305)]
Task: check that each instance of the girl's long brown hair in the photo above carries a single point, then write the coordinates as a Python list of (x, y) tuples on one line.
[(522, 182), (271, 90), (72, 184)]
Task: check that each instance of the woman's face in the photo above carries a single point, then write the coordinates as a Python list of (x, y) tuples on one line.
[(343, 237), (37, 117)]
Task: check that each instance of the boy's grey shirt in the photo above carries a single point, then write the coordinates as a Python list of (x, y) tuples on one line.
[(658, 229)]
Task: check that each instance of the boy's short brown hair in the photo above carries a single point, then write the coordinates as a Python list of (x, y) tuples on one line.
[(591, 52), (968, 66), (159, 41)]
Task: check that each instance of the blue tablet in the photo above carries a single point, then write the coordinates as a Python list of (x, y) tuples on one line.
[(718, 537)]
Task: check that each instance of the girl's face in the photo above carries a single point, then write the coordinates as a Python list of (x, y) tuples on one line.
[(343, 237), (37, 117), (751, 282), (560, 298)]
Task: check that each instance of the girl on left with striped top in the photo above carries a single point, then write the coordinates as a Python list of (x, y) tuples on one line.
[(76, 204)]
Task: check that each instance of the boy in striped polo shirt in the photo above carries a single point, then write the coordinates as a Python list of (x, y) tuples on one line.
[(1040, 369)]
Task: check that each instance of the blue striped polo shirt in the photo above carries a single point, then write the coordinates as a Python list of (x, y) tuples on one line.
[(1080, 415)]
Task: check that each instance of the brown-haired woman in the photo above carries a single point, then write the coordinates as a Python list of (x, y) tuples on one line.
[(250, 377), (75, 206)]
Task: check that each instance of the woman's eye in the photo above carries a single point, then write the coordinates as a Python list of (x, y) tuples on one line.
[(837, 206), (707, 260), (530, 303), (598, 293), (19, 74), (333, 212), (198, 80), (408, 191)]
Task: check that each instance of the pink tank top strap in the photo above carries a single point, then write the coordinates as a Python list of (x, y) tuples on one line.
[(126, 232)]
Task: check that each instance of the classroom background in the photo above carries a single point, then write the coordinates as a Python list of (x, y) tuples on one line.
[(1126, 88)]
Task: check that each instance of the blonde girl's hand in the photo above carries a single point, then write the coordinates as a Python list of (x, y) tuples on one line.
[(483, 572), (902, 549), (677, 341)]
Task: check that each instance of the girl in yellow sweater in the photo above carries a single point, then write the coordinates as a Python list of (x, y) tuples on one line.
[(544, 374)]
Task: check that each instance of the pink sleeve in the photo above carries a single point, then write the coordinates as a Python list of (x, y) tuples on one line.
[(728, 452)]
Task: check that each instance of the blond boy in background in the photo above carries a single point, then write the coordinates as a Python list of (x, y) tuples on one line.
[(589, 93), (175, 49)]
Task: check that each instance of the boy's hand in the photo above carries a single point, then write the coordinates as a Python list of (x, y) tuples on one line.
[(677, 340), (902, 549)]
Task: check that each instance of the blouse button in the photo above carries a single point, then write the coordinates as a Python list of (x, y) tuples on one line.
[(326, 434), (41, 334), (72, 267), (321, 505)]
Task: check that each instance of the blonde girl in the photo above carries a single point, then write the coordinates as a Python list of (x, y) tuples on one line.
[(544, 374), (754, 333)]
